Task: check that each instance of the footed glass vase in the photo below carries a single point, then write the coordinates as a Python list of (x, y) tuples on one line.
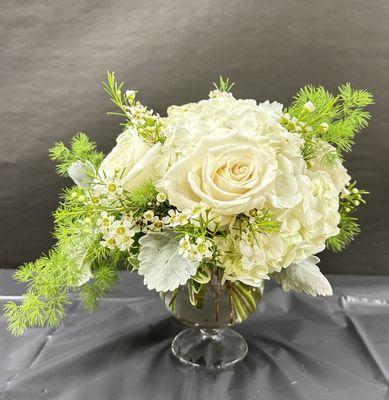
[(210, 310)]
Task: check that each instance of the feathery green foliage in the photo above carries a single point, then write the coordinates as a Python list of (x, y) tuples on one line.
[(81, 148), (349, 227), (335, 119), (53, 278), (142, 196), (48, 279), (349, 230), (105, 276), (224, 85)]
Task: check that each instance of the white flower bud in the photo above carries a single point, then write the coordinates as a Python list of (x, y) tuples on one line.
[(324, 126), (130, 94), (309, 107)]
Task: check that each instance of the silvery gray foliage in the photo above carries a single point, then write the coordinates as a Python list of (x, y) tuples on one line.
[(304, 276), (161, 265), (79, 254), (82, 173)]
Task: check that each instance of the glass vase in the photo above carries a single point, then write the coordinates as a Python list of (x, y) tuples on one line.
[(210, 310)]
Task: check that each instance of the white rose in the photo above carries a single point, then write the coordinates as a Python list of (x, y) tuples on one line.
[(229, 171), (133, 159)]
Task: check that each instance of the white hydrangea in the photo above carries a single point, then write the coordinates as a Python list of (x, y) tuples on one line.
[(236, 155), (186, 125)]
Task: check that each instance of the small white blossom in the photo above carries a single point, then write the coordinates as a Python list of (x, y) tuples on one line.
[(126, 241), (105, 221), (195, 251), (171, 219), (203, 248), (109, 242), (113, 189), (185, 247), (156, 224), (148, 215), (182, 219), (117, 233), (118, 229), (161, 197)]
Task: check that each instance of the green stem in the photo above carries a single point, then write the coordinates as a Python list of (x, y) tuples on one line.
[(230, 302), (240, 310), (218, 295), (248, 295)]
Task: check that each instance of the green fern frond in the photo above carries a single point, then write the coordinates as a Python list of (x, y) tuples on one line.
[(224, 85), (349, 230), (104, 279), (142, 196), (81, 148), (344, 115)]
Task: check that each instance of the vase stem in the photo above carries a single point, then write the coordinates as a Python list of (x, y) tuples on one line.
[(209, 348), (210, 333)]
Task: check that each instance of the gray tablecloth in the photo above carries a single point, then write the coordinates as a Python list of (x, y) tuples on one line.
[(299, 348)]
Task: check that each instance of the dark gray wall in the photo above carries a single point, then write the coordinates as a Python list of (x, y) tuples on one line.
[(54, 54)]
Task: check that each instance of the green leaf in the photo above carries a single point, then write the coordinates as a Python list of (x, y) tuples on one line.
[(203, 274)]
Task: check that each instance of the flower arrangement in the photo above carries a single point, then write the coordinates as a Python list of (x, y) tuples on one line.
[(225, 187)]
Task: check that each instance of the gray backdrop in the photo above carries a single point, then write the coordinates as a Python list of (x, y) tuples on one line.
[(54, 54)]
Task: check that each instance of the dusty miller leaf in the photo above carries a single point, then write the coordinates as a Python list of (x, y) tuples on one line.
[(161, 265), (82, 173), (304, 276)]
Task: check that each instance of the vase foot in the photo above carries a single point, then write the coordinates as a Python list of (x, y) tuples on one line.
[(209, 348)]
